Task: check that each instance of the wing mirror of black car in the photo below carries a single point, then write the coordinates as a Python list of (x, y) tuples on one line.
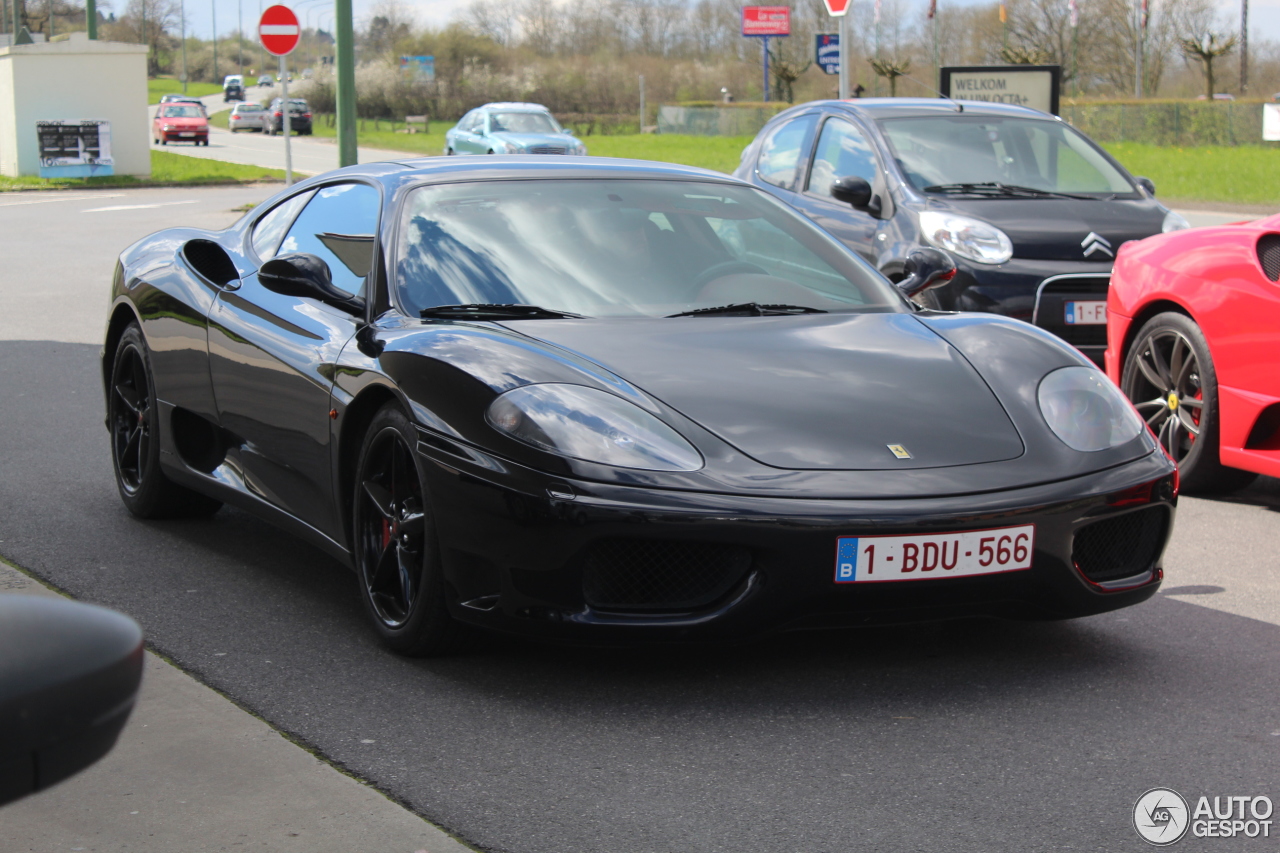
[(1148, 185), (69, 675), (301, 274), (856, 192), (926, 268)]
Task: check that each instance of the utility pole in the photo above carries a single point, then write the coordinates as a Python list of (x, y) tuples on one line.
[(1137, 48), (642, 103), (1244, 46), (213, 9), (91, 18), (345, 82), (846, 55), (240, 38)]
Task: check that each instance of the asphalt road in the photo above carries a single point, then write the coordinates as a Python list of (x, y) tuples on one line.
[(964, 736)]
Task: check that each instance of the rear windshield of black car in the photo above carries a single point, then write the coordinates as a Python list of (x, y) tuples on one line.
[(946, 150), (619, 248)]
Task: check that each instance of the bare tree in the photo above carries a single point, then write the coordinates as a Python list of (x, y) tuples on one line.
[(151, 22), (785, 68), (1205, 49), (891, 70)]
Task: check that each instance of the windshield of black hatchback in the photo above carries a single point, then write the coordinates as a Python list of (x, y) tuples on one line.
[(944, 153)]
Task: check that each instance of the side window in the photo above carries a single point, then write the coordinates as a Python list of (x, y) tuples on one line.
[(468, 121), (270, 228), (842, 152), (339, 225), (782, 153)]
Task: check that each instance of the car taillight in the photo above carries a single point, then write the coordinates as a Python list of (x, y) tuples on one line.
[(279, 114), (306, 115)]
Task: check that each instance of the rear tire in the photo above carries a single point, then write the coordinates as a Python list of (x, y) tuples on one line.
[(1170, 378), (134, 422), (394, 543)]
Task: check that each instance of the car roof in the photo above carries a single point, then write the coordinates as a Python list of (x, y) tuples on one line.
[(881, 108), (515, 105), (516, 167)]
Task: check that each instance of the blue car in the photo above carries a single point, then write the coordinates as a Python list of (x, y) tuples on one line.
[(510, 128)]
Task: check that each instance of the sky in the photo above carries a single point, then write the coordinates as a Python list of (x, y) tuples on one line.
[(1264, 15)]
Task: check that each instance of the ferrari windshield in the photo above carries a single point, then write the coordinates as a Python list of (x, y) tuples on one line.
[(942, 153), (525, 121), (618, 248)]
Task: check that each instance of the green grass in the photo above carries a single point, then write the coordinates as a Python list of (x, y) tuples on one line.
[(1244, 174), (158, 87), (166, 169)]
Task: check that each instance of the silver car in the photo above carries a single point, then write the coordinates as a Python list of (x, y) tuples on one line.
[(245, 116)]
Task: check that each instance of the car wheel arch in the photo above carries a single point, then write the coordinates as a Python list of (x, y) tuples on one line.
[(356, 417), (1159, 306), (121, 317)]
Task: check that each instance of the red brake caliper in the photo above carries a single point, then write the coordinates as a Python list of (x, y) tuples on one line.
[(386, 532)]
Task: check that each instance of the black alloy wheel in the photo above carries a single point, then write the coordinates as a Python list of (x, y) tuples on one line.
[(397, 558), (133, 420), (1169, 377)]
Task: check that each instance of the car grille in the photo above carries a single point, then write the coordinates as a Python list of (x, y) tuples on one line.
[(656, 574), (1269, 255), (547, 149), (1121, 546), (1049, 315)]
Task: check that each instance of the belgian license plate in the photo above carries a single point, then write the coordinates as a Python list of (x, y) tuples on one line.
[(929, 556), (1086, 313), (187, 134)]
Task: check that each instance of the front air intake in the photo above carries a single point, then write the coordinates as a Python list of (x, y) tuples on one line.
[(660, 574), (1269, 255), (1121, 546)]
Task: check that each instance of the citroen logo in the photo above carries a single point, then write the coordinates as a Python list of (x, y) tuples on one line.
[(1095, 242)]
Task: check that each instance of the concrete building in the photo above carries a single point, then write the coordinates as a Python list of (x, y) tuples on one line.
[(62, 84)]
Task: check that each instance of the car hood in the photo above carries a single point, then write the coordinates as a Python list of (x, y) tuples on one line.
[(821, 392), (527, 140), (183, 121), (1057, 229)]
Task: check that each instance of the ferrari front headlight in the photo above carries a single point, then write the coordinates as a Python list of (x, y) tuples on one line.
[(592, 425), (1087, 411), (965, 236)]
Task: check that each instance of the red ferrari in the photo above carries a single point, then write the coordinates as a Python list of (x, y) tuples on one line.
[(1193, 339)]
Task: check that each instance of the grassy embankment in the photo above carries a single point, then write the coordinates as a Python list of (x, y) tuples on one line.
[(158, 87), (166, 170), (1245, 174)]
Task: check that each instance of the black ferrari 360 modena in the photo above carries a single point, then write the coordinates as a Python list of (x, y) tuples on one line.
[(618, 401)]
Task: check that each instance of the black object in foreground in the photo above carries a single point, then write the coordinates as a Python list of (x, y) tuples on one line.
[(69, 676)]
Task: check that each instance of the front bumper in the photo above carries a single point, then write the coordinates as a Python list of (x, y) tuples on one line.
[(184, 135), (1037, 292), (519, 549)]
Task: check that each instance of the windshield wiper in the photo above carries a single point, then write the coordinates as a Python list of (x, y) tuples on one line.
[(496, 311), (750, 309), (995, 188)]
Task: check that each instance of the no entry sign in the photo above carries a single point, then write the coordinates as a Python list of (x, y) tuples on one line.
[(836, 8), (766, 21), (278, 30)]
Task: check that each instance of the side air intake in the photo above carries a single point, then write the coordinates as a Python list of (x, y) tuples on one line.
[(211, 261), (1269, 255)]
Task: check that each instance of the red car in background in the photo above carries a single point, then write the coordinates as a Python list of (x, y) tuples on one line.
[(179, 122), (1193, 339)]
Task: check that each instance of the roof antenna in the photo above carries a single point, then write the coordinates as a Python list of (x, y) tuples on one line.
[(959, 106)]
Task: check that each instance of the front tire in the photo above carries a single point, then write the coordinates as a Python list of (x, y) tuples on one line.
[(134, 421), (1169, 376), (395, 546)]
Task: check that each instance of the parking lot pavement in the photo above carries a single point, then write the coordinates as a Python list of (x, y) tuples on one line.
[(192, 772)]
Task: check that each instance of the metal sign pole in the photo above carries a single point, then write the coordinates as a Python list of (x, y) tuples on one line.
[(284, 97), (765, 41), (843, 29)]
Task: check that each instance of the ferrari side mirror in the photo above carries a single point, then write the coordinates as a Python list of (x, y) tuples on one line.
[(856, 192), (301, 274), (1147, 184), (69, 675), (925, 269)]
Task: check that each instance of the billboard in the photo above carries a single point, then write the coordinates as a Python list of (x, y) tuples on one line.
[(421, 69), (1034, 86), (766, 21), (75, 149)]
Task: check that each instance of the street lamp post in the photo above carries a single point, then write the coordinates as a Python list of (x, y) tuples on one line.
[(213, 9), (239, 38)]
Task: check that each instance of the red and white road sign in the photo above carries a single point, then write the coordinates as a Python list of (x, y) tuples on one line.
[(766, 20), (836, 8), (278, 30)]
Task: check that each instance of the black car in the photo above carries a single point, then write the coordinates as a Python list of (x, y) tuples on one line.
[(621, 401), (1031, 209), (232, 93), (299, 117)]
